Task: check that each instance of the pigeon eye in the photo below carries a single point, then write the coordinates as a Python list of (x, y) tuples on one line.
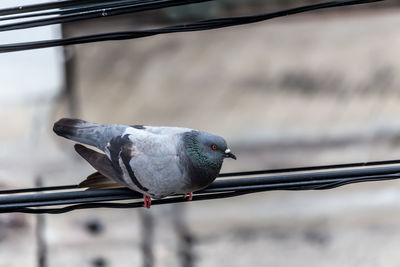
[(214, 147)]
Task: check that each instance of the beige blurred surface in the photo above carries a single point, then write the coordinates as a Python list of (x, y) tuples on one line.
[(297, 91)]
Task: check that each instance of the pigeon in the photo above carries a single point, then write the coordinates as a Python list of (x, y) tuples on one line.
[(154, 161)]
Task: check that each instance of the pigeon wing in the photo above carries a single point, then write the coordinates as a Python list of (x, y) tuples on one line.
[(104, 167), (121, 151), (154, 162)]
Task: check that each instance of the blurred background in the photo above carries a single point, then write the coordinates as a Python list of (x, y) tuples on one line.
[(311, 89)]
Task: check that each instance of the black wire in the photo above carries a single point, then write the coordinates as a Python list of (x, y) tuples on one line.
[(312, 168), (121, 205), (97, 12), (196, 26), (232, 174), (219, 188), (45, 6), (175, 199), (70, 10), (37, 189)]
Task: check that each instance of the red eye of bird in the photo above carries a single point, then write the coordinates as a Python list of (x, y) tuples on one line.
[(214, 147)]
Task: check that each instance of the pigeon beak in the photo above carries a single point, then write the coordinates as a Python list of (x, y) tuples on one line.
[(229, 154)]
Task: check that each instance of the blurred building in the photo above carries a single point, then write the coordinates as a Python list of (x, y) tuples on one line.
[(318, 88)]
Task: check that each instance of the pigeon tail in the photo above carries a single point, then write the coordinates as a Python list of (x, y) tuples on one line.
[(88, 133)]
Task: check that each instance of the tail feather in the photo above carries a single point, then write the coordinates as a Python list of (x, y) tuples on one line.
[(98, 181), (88, 133), (76, 130), (67, 126)]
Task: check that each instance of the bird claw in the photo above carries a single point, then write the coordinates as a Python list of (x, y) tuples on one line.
[(147, 201), (190, 195)]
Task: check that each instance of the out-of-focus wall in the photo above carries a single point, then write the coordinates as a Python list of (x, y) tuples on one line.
[(318, 88)]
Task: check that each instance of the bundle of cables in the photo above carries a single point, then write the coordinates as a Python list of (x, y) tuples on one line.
[(22, 17), (70, 197)]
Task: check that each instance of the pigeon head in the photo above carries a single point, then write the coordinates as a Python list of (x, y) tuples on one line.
[(206, 153), (214, 147)]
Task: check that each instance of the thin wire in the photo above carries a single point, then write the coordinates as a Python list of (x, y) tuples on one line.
[(37, 189), (70, 10), (45, 6), (98, 12), (196, 26), (120, 205), (312, 168)]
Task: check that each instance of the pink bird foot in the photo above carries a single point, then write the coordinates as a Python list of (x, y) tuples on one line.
[(147, 201), (190, 196)]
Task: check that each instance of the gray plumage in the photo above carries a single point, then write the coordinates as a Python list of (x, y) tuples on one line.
[(155, 161)]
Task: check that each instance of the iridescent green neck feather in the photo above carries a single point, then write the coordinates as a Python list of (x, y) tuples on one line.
[(202, 169), (194, 149)]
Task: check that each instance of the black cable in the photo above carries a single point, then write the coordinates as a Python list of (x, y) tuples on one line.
[(233, 174), (68, 10), (313, 168), (120, 205), (196, 26), (219, 188), (45, 6), (176, 199), (98, 12), (37, 189)]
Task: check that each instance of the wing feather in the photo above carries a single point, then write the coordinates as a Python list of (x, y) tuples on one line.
[(100, 162), (98, 181)]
